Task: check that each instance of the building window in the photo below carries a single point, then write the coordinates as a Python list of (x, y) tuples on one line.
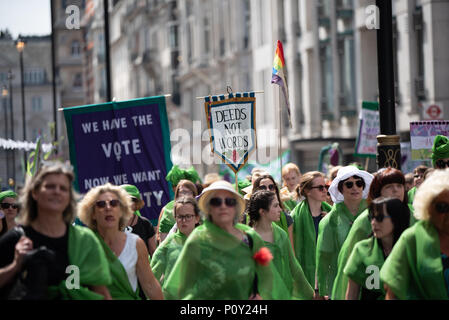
[(347, 74), (173, 36), (78, 81), (246, 24), (35, 76), (419, 26), (76, 48), (36, 104), (327, 88)]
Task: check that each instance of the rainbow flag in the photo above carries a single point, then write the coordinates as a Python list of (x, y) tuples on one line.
[(278, 76)]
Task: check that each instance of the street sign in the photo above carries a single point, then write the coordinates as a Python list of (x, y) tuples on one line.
[(433, 111)]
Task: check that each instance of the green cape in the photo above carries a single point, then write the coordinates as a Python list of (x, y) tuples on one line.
[(168, 219), (288, 267), (414, 269), (332, 232), (120, 288), (366, 253), (304, 237), (361, 229), (440, 148), (289, 205), (85, 252), (215, 265), (166, 254), (411, 195)]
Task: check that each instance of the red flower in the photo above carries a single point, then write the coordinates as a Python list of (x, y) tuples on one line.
[(263, 256)]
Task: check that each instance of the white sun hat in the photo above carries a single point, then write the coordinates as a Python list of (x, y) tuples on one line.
[(205, 196), (346, 173)]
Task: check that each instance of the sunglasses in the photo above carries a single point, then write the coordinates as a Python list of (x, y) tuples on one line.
[(442, 164), (9, 205), (320, 187), (416, 176), (263, 187), (379, 218), (187, 217), (217, 202), (350, 184), (102, 203), (134, 199), (442, 207)]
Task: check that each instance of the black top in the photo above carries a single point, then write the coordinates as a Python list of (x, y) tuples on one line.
[(4, 227), (143, 228), (289, 219), (58, 245), (316, 222)]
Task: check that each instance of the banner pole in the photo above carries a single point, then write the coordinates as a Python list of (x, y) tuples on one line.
[(366, 163), (280, 130), (236, 181)]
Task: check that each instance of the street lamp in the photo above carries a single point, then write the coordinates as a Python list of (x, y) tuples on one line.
[(13, 151), (20, 45)]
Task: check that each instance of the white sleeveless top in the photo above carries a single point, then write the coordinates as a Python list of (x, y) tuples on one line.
[(128, 258)]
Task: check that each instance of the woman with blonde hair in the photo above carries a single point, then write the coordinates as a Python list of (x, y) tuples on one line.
[(106, 210), (418, 266), (48, 211), (290, 178)]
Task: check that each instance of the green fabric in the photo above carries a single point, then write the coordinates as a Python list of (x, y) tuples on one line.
[(177, 174), (290, 204), (440, 148), (332, 232), (85, 252), (361, 230), (282, 223), (168, 219), (133, 192), (411, 195), (242, 185), (166, 254), (288, 267), (366, 253), (120, 288), (215, 265), (304, 237), (7, 194), (414, 269)]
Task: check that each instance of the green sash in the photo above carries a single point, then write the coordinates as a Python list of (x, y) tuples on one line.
[(168, 219), (332, 232), (282, 223), (287, 265), (120, 288), (166, 254), (85, 252), (289, 205), (411, 195), (361, 229), (304, 237), (414, 270), (215, 265), (366, 253)]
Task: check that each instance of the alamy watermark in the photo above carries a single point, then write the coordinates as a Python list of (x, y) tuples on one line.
[(73, 20), (73, 280)]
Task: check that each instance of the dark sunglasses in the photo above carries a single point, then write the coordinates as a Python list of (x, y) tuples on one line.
[(9, 205), (442, 207), (102, 204), (264, 187), (134, 199), (350, 184), (442, 164), (379, 218), (320, 187), (418, 176), (217, 202)]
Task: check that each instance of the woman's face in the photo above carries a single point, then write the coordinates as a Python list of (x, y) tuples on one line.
[(394, 190), (439, 212), (274, 211), (384, 228), (107, 211), (53, 195), (354, 192), (418, 178), (223, 211), (11, 211), (186, 218), (267, 184), (291, 179), (183, 191), (318, 190)]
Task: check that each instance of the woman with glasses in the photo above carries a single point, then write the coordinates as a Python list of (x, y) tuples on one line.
[(10, 208), (418, 266), (223, 259), (187, 216), (388, 182), (389, 217), (106, 210), (48, 211), (307, 216), (348, 191), (264, 210)]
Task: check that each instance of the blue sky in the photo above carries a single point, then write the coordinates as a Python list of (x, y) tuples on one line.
[(26, 17)]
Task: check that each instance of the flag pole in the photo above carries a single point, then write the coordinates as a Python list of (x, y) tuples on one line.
[(280, 130)]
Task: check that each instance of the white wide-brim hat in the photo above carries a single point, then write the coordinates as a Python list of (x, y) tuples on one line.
[(205, 196), (346, 173)]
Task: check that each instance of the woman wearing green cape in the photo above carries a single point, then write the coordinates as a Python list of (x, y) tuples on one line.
[(348, 191), (48, 210), (10, 209), (418, 266), (389, 217), (106, 210), (187, 216), (223, 259), (264, 210), (307, 216), (387, 182)]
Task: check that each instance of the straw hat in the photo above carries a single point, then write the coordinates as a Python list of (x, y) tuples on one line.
[(205, 196), (346, 173)]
